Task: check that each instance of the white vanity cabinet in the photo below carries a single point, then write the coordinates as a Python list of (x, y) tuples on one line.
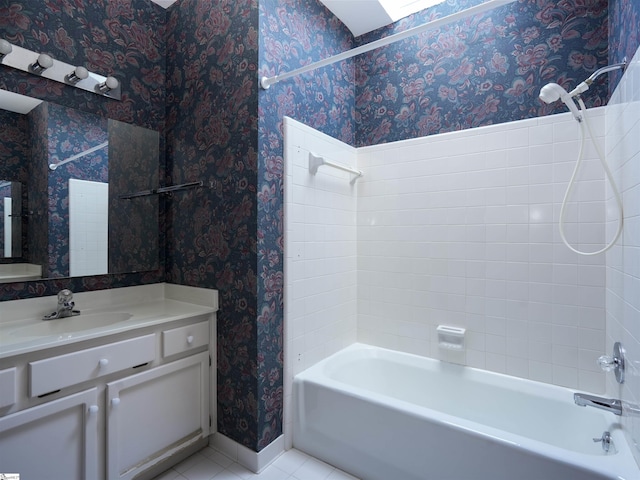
[(151, 414), (117, 407), (55, 440)]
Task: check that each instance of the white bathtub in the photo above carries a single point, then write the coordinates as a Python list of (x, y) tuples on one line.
[(380, 414)]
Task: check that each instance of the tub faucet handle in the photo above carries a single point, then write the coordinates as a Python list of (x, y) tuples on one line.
[(607, 363), (614, 363)]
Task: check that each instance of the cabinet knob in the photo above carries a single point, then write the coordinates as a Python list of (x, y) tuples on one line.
[(190, 339), (103, 362), (115, 402), (93, 409)]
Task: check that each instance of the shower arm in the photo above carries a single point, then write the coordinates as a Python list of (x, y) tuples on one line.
[(584, 86), (608, 68)]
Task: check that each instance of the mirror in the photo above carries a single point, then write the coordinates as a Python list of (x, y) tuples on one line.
[(10, 218), (72, 169)]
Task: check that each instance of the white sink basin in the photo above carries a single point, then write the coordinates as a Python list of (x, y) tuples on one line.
[(70, 325)]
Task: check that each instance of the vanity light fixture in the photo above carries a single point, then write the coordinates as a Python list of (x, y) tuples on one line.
[(110, 83), (43, 62), (44, 66), (5, 48), (78, 74)]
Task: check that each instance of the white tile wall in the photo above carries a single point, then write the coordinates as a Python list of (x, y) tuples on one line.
[(320, 253), (88, 227), (457, 229), (461, 229), (623, 261)]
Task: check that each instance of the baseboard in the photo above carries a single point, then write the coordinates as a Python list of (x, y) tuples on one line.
[(172, 460), (254, 461)]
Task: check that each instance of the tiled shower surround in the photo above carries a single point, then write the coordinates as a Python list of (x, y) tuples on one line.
[(456, 229), (320, 266)]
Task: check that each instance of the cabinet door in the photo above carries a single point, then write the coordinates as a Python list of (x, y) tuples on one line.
[(155, 413), (54, 441)]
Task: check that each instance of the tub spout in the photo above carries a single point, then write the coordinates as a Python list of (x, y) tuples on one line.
[(609, 404)]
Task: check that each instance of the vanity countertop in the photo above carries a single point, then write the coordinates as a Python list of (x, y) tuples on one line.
[(19, 272), (107, 312)]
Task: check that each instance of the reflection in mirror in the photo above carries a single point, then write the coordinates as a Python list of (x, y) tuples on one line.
[(10, 219), (76, 166)]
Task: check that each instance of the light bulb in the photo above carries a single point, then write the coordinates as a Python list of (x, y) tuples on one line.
[(78, 74), (110, 83), (5, 48), (43, 62)]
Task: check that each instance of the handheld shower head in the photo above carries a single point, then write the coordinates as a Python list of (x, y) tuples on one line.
[(552, 92)]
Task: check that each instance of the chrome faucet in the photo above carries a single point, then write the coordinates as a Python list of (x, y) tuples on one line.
[(65, 306), (609, 404)]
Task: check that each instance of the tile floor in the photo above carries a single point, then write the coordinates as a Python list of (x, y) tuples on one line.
[(208, 464)]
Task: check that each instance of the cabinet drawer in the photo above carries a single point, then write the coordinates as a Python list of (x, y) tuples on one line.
[(54, 373), (183, 339), (7, 387)]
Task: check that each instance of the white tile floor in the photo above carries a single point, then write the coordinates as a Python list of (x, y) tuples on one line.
[(209, 464)]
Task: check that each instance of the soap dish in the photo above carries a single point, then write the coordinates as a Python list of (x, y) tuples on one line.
[(450, 338)]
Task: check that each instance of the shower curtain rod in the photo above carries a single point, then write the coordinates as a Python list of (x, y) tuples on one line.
[(266, 82), (53, 166)]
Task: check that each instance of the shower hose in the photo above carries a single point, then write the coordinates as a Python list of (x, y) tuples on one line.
[(585, 125)]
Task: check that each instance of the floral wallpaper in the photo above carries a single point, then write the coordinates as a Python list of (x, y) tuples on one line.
[(293, 33), (624, 33), (124, 38), (212, 111), (483, 70)]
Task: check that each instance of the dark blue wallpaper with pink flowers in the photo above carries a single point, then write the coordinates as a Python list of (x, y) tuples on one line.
[(212, 113), (294, 33), (483, 70), (624, 33)]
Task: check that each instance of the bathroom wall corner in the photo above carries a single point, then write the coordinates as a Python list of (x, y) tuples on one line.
[(254, 461)]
